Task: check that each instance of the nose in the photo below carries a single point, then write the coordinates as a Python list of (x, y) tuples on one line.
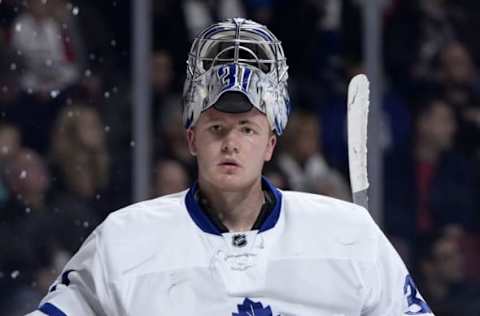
[(230, 144)]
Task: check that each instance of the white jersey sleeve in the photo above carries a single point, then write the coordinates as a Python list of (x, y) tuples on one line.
[(390, 288), (81, 289)]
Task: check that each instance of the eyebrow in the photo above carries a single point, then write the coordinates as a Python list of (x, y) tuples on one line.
[(242, 122), (247, 121)]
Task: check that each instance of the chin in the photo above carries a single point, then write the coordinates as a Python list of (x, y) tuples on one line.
[(231, 182)]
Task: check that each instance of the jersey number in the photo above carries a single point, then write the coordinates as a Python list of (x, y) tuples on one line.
[(410, 291), (65, 280), (229, 76)]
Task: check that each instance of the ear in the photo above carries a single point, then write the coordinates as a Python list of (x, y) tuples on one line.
[(272, 142), (190, 133)]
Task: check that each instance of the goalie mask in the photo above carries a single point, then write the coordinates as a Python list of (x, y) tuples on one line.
[(236, 65)]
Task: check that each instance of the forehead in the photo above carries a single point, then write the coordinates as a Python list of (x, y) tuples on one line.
[(445, 247), (253, 115)]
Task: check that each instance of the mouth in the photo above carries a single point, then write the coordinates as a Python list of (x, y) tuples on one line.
[(229, 163)]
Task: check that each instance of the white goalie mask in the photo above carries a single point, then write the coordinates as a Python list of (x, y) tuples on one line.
[(234, 65)]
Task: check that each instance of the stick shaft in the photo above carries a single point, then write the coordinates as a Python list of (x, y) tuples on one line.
[(361, 198)]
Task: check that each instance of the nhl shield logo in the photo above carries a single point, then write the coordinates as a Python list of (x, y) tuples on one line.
[(239, 240)]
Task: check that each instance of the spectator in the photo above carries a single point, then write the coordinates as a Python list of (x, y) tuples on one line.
[(302, 159), (172, 135), (48, 58), (442, 277), (79, 150), (26, 225), (435, 29), (27, 177), (46, 261), (458, 75), (459, 82), (415, 33), (50, 63), (428, 185), (80, 159), (166, 99), (163, 75)]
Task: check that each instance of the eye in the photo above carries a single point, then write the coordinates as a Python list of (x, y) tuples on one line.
[(247, 130), (217, 128)]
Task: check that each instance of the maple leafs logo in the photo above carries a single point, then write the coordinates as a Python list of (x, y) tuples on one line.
[(251, 308)]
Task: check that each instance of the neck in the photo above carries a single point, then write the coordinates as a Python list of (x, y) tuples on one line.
[(237, 210)]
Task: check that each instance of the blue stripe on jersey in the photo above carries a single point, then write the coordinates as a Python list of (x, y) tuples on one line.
[(51, 310), (197, 214), (272, 218), (206, 225)]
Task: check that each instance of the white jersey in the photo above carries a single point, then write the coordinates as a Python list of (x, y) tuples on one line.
[(312, 256)]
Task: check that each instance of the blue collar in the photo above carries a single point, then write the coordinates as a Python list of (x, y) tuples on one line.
[(204, 223)]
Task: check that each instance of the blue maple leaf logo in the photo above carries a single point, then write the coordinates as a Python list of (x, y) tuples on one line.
[(251, 308)]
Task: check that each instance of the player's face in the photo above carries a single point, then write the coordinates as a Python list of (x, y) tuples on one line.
[(231, 148)]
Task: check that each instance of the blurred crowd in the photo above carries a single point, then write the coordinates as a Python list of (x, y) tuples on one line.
[(66, 136)]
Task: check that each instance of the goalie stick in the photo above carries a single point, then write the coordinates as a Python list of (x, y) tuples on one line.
[(357, 121)]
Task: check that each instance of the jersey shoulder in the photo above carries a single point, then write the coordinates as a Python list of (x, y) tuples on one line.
[(330, 227), (326, 208), (139, 233), (146, 213)]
